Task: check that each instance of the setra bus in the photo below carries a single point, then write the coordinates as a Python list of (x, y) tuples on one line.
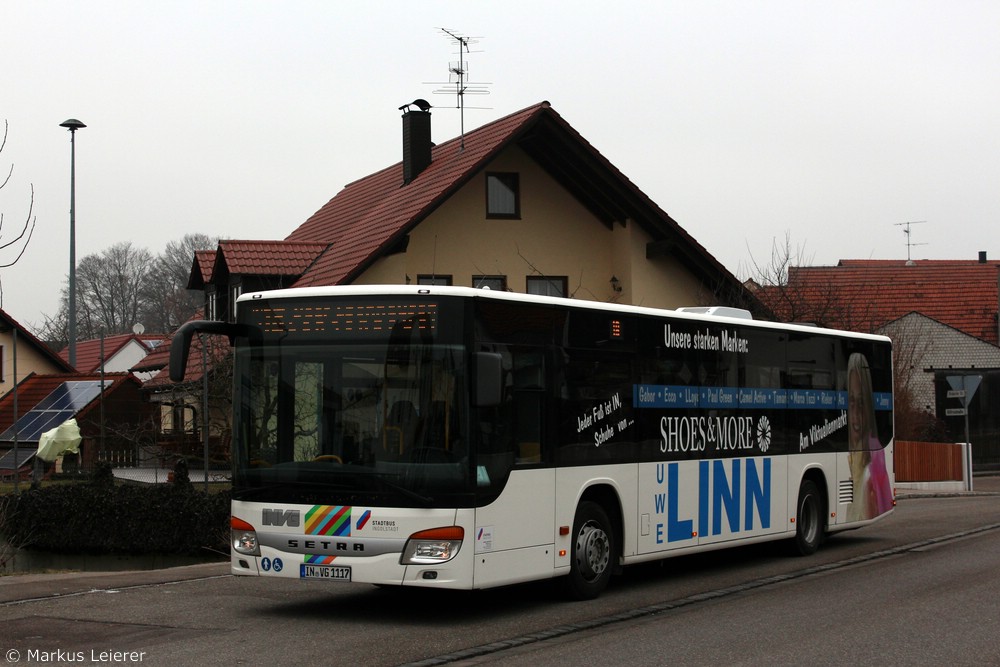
[(459, 438)]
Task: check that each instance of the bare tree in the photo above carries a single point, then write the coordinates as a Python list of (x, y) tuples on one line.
[(770, 282), (109, 289), (167, 301), (786, 285), (912, 341), (9, 248), (124, 285)]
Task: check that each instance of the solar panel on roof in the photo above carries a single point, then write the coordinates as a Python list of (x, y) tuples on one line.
[(62, 403), (23, 455)]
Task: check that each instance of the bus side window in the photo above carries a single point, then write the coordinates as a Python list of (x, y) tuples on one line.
[(528, 399)]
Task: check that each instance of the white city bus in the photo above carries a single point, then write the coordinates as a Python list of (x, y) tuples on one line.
[(457, 438)]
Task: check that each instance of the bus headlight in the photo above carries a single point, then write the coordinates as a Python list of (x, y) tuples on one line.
[(244, 537), (432, 547)]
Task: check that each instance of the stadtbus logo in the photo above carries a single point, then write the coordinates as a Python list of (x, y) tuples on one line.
[(763, 433)]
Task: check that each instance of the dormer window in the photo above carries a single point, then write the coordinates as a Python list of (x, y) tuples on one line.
[(234, 291), (503, 195), (210, 304)]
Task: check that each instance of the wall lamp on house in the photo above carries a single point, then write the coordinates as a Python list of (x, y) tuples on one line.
[(616, 285)]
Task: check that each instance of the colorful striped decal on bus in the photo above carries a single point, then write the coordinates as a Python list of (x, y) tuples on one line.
[(331, 520), (318, 560)]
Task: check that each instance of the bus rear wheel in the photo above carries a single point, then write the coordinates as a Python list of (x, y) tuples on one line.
[(592, 553), (809, 515)]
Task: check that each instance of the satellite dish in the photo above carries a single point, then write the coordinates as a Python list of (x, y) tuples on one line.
[(138, 329)]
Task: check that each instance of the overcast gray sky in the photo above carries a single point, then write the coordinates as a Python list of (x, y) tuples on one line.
[(832, 122)]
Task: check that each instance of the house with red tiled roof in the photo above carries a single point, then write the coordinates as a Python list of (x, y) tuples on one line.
[(249, 266), (942, 316), (44, 401), (115, 354), (22, 354), (181, 408), (524, 203)]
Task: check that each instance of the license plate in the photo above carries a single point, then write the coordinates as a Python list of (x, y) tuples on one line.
[(333, 572)]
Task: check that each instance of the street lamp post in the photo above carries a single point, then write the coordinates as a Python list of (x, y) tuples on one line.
[(72, 125)]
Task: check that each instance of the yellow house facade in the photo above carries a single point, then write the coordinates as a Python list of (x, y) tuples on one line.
[(22, 354), (555, 237), (523, 204)]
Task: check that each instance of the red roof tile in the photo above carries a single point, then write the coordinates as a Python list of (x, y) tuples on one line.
[(205, 261), (867, 294), (370, 212), (216, 348), (368, 215), (360, 223), (88, 352), (202, 269), (269, 258), (156, 359)]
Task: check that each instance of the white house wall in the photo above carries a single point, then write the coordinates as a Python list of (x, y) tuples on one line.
[(938, 347)]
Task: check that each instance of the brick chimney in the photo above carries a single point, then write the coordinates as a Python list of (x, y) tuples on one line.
[(416, 141)]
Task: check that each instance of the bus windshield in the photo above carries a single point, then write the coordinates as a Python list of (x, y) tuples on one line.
[(378, 418)]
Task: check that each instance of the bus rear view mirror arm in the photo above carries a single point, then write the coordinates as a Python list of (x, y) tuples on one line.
[(180, 344)]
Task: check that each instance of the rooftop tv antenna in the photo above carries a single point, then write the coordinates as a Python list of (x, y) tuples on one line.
[(458, 83), (909, 243)]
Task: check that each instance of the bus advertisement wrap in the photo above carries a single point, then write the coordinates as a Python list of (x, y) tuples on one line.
[(457, 438)]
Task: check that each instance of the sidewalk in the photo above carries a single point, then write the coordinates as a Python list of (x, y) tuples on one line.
[(21, 587), (981, 484)]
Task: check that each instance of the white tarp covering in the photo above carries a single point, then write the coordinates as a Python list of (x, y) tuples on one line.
[(63, 439)]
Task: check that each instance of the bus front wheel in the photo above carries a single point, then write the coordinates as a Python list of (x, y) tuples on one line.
[(592, 552), (809, 515)]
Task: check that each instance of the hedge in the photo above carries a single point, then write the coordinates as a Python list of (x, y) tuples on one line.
[(101, 517)]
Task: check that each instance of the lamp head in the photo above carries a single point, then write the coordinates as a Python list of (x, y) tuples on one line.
[(72, 124)]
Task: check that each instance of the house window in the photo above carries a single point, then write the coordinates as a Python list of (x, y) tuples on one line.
[(2, 350), (183, 416), (547, 285), (235, 291), (433, 279), (210, 306), (492, 282), (503, 195)]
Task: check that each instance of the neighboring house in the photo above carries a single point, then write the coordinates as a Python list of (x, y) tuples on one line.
[(248, 266), (524, 204), (120, 353), (942, 316), (182, 409), (43, 402), (32, 355)]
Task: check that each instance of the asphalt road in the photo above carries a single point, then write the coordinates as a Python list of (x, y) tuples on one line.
[(919, 588)]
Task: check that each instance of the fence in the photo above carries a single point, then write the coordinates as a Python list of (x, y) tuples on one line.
[(938, 465), (143, 464)]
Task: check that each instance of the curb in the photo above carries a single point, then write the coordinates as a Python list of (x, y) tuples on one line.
[(19, 588)]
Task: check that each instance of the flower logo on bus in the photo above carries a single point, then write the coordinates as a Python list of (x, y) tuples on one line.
[(764, 433)]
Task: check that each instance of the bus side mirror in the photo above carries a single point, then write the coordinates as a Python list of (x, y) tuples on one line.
[(489, 380), (180, 343)]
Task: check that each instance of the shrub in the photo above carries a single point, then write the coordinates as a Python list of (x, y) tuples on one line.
[(102, 518)]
